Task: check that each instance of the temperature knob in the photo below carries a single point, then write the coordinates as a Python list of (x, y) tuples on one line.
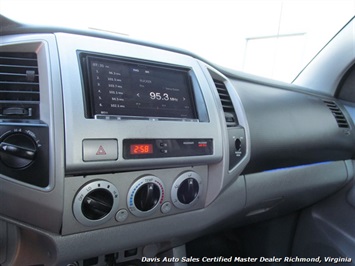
[(186, 190), (145, 195), (18, 150)]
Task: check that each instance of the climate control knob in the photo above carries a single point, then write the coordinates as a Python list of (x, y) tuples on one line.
[(18, 150), (186, 190), (145, 196), (96, 203)]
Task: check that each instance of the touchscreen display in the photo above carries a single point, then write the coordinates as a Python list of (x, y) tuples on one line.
[(120, 87)]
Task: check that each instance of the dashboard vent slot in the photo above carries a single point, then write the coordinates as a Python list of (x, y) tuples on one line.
[(19, 85), (228, 108), (338, 114)]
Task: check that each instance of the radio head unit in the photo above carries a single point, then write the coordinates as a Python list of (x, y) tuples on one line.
[(118, 87)]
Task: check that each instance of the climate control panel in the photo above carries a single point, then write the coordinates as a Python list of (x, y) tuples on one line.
[(120, 198)]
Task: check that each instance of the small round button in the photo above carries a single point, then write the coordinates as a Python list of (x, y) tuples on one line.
[(121, 215), (166, 207)]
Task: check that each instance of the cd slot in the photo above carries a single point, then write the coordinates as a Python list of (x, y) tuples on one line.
[(116, 117)]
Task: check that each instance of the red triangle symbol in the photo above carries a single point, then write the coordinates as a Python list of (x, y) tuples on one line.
[(101, 151)]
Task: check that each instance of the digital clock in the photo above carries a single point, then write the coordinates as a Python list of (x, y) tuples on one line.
[(165, 148), (141, 149)]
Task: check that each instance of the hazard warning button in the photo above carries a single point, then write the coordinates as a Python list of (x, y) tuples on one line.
[(100, 150)]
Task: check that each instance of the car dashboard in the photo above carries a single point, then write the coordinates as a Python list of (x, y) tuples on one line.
[(115, 146)]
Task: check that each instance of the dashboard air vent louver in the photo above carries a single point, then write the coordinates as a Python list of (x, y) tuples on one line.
[(228, 108), (338, 114), (19, 85)]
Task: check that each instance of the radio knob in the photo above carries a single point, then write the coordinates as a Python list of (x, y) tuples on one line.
[(18, 150)]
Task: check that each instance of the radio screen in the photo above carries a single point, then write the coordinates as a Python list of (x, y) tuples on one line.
[(120, 87)]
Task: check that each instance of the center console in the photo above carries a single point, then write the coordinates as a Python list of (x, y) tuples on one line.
[(142, 138), (115, 135)]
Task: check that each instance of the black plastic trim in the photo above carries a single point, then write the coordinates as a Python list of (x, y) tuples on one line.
[(289, 128)]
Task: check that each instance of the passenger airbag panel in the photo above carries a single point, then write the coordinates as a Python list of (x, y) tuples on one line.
[(290, 128)]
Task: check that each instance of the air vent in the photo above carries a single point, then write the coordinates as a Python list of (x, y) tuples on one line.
[(19, 86), (228, 108), (338, 114)]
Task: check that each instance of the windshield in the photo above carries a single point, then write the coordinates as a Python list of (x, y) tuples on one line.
[(274, 39)]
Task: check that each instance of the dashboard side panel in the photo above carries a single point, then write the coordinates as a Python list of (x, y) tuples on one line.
[(19, 200), (290, 128)]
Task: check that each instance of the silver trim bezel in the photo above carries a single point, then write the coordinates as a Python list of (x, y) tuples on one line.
[(136, 186), (177, 184), (84, 191)]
